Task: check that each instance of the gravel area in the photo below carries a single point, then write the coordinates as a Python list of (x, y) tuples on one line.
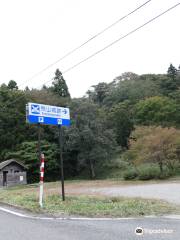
[(165, 191), (168, 191)]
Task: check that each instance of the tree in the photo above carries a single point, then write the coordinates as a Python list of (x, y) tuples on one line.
[(126, 76), (157, 111), (12, 85), (12, 119), (133, 88), (59, 85), (167, 85), (170, 82), (172, 72), (120, 118), (45, 96), (27, 153), (26, 89), (99, 93), (155, 145), (88, 141)]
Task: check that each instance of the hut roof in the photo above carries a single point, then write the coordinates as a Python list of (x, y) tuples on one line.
[(7, 162)]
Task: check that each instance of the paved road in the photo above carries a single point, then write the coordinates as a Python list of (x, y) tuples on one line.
[(165, 191), (16, 228)]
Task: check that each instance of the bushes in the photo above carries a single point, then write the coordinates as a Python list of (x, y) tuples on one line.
[(117, 163), (130, 174), (154, 145), (146, 172), (155, 153)]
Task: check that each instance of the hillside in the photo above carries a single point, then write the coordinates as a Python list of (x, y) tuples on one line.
[(104, 127)]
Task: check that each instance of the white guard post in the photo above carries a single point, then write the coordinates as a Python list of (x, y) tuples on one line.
[(41, 181)]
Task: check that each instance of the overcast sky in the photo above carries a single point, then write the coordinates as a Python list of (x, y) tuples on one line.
[(35, 33)]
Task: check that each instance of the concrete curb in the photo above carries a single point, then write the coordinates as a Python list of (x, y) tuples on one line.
[(60, 218), (83, 218)]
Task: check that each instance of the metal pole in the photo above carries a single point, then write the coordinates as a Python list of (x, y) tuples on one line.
[(41, 181), (39, 143), (61, 161), (39, 156)]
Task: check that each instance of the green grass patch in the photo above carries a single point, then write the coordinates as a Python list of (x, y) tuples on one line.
[(107, 207), (27, 198)]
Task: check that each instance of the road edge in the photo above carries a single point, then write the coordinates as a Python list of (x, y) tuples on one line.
[(22, 215)]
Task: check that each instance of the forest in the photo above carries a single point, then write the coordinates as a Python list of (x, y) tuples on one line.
[(128, 128)]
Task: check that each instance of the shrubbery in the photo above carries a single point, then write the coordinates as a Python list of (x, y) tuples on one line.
[(130, 174), (155, 146), (146, 172)]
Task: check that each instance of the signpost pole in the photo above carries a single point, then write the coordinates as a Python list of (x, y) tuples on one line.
[(61, 160), (39, 142), (41, 181), (40, 162)]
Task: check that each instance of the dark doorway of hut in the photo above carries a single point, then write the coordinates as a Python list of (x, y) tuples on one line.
[(5, 178)]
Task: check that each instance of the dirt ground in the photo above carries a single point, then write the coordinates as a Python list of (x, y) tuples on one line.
[(165, 190)]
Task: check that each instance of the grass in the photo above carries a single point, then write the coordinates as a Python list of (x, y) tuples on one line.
[(107, 207), (26, 197)]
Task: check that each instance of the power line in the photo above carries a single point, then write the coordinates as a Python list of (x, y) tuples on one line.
[(86, 42), (114, 42), (117, 40)]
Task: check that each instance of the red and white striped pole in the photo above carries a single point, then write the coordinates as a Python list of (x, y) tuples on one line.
[(41, 181)]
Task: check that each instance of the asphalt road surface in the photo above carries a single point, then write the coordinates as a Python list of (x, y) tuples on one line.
[(17, 228)]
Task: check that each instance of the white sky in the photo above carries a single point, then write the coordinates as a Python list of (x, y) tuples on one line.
[(35, 33)]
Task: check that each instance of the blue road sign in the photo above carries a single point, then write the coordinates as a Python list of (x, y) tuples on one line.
[(46, 114)]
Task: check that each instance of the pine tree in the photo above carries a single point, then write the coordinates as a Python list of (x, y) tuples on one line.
[(59, 85), (172, 72)]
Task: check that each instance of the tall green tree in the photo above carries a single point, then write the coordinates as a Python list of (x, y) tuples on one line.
[(121, 119), (13, 128), (170, 82), (59, 85), (89, 142), (172, 72)]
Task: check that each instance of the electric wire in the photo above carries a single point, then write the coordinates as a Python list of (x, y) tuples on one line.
[(117, 40), (109, 45), (86, 42)]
